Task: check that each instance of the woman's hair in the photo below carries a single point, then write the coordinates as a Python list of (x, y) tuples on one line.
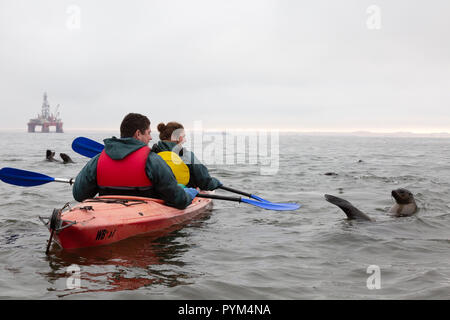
[(166, 130), (133, 122)]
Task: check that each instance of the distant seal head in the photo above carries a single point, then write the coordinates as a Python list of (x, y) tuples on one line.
[(66, 158), (405, 205), (50, 155)]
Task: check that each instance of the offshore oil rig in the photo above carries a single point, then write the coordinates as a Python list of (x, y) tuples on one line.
[(46, 119)]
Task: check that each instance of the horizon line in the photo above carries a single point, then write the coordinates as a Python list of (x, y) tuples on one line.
[(318, 131)]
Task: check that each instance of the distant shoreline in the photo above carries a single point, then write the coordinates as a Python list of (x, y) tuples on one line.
[(282, 132)]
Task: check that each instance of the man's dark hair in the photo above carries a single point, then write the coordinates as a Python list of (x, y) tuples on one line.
[(133, 122)]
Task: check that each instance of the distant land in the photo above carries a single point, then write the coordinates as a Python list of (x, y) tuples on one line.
[(399, 134), (377, 134)]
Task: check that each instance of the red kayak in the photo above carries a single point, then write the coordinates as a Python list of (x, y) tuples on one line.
[(107, 219)]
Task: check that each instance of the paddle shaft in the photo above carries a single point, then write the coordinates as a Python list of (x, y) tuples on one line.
[(244, 194), (260, 204), (236, 191), (69, 181), (214, 196)]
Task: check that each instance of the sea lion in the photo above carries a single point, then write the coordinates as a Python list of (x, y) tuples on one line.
[(404, 206), (50, 156), (66, 158), (405, 203)]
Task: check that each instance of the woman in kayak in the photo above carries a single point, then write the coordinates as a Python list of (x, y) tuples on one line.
[(172, 136)]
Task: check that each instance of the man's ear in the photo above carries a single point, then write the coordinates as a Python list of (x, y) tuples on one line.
[(136, 134)]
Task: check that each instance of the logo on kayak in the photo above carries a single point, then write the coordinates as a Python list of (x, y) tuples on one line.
[(104, 233)]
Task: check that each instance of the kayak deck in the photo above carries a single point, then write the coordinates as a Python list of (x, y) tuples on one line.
[(108, 219)]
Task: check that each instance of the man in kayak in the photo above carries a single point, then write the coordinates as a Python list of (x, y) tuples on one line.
[(127, 166), (172, 136)]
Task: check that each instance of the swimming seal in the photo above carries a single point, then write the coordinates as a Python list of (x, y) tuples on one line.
[(50, 156), (405, 205), (66, 158)]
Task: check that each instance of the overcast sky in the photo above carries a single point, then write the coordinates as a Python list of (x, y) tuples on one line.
[(288, 64)]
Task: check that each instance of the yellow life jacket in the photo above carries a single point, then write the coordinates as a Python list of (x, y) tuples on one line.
[(178, 167)]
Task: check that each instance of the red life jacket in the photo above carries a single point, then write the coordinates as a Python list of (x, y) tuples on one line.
[(125, 174)]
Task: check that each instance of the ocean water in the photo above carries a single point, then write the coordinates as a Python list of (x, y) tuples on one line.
[(237, 251)]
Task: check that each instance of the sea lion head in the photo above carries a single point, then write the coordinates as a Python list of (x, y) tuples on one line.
[(403, 196), (405, 204), (49, 155), (66, 158)]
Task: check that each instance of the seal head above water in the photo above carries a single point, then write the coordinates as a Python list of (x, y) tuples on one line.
[(405, 205), (50, 156), (66, 158)]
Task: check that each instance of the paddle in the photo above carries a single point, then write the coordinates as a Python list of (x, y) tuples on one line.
[(243, 193), (25, 178), (290, 205), (87, 147), (90, 148), (264, 205)]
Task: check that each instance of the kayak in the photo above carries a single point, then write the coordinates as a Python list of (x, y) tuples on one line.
[(108, 219)]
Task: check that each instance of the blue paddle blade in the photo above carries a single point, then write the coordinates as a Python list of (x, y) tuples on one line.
[(87, 147), (259, 199), (294, 206), (23, 178), (273, 206)]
